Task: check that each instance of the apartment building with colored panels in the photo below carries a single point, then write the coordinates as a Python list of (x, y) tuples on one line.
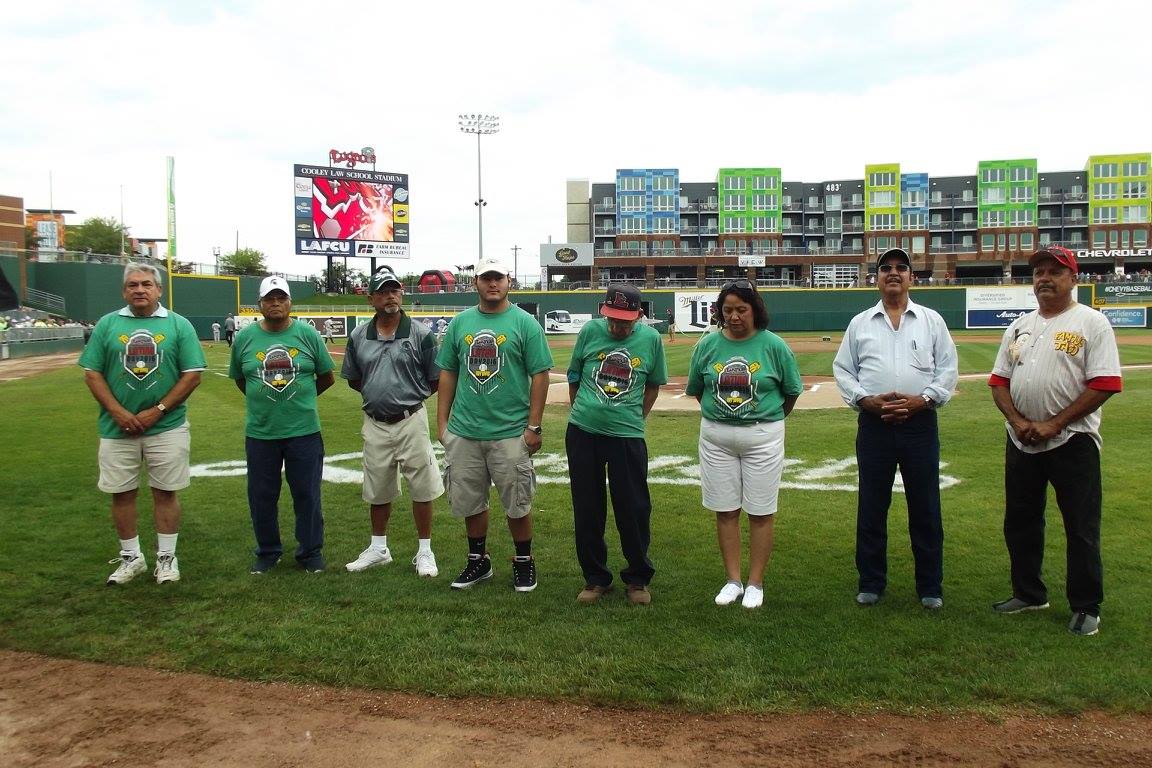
[(648, 225)]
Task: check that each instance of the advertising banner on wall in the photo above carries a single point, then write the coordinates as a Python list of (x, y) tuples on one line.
[(1126, 317), (566, 254), (1107, 294), (997, 306), (350, 212), (339, 323), (693, 308), (563, 321)]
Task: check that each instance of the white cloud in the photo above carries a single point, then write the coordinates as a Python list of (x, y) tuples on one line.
[(99, 93)]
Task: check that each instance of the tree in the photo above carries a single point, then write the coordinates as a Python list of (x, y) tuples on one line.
[(99, 236), (31, 239), (246, 261), (341, 279)]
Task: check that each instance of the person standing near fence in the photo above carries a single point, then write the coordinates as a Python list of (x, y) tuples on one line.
[(896, 365), (141, 364), (229, 328), (215, 331)]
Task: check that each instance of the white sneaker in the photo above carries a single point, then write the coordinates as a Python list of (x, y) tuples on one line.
[(753, 597), (167, 568), (129, 568), (730, 593), (369, 558), (425, 563)]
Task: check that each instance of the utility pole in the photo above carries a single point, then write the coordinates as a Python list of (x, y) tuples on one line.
[(515, 255)]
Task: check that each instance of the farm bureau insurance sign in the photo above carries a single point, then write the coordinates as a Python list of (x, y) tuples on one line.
[(997, 306)]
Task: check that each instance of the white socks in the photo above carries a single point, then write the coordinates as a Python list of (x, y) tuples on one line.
[(131, 546), (166, 543), (425, 546), (380, 542)]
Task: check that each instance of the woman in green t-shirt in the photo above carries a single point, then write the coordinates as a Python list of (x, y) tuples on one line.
[(746, 380)]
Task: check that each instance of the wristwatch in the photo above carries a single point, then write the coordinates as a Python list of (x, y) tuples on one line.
[(161, 407), (537, 429), (928, 399)]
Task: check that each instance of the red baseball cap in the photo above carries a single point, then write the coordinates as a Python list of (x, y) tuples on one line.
[(1058, 253)]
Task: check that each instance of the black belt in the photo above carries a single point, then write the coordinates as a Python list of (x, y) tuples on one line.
[(395, 418)]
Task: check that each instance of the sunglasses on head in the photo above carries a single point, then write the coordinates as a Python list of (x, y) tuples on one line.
[(739, 283), (899, 267)]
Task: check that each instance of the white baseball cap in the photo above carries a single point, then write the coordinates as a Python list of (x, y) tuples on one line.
[(274, 283), (488, 266)]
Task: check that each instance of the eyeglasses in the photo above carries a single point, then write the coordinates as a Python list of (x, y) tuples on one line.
[(739, 283), (901, 267)]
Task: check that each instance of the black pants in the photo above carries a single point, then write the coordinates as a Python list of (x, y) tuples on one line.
[(1073, 469), (627, 462), (914, 447), (302, 459)]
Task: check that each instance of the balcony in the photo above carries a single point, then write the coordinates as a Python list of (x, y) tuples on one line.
[(817, 207), (854, 205), (1073, 197), (792, 206), (604, 208), (854, 226), (964, 224), (605, 231), (939, 226), (1054, 221)]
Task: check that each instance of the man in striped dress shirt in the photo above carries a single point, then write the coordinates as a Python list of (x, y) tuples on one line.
[(1056, 366)]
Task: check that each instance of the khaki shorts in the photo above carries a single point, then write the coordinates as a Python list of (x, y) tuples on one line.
[(165, 454), (392, 449), (741, 466), (471, 466)]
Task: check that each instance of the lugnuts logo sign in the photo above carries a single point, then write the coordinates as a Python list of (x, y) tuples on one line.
[(365, 155), (566, 255)]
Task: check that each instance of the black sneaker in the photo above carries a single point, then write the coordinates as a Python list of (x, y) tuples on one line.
[(262, 565), (314, 564), (479, 568), (524, 573)]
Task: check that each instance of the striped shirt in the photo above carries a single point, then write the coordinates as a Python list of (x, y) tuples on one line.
[(1048, 362), (918, 358)]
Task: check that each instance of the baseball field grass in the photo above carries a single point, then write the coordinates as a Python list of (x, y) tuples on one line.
[(809, 647)]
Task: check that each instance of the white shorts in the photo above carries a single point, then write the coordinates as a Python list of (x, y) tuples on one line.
[(165, 454), (741, 465), (390, 449)]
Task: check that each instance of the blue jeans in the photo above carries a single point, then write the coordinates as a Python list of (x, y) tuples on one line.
[(302, 459), (914, 447)]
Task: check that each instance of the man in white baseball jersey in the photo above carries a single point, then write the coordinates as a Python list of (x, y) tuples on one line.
[(1056, 366)]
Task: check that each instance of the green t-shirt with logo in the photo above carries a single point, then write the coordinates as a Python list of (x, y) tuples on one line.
[(743, 381), (612, 374), (279, 369), (141, 358), (494, 357)]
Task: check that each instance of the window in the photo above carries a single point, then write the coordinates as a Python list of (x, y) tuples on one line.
[(831, 202), (992, 196), (913, 198), (1020, 194), (631, 225), (1135, 189), (1074, 191), (1139, 238), (732, 183), (1105, 214), (764, 202), (1045, 193), (992, 175), (832, 224), (1105, 170), (763, 182), (968, 242), (1075, 237), (630, 184), (1045, 238), (1020, 173), (1099, 239), (663, 203), (885, 179), (763, 224), (967, 196), (1135, 214), (832, 245), (664, 224), (1001, 241), (918, 245), (1125, 239), (937, 241), (1136, 169), (881, 221), (882, 200), (662, 182), (936, 197), (1108, 191), (631, 202), (992, 219), (857, 199), (1020, 218), (733, 224), (1113, 240), (911, 221)]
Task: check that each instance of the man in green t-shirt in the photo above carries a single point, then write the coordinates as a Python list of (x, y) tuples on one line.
[(141, 363), (281, 366), (614, 377), (494, 363)]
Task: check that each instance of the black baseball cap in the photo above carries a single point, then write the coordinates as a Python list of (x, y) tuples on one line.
[(621, 302), (899, 253)]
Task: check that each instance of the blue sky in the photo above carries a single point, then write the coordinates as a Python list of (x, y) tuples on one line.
[(99, 93)]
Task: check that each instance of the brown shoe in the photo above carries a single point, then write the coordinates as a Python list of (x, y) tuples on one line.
[(639, 595), (592, 593)]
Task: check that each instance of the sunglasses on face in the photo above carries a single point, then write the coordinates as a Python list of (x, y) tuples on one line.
[(901, 267)]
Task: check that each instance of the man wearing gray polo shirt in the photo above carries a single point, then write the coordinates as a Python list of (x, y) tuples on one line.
[(391, 362), (896, 365)]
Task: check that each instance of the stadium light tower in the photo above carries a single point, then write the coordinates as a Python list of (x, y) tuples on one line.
[(479, 125)]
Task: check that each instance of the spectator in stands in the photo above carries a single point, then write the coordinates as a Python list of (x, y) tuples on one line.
[(229, 328), (281, 365), (896, 364), (746, 381), (391, 362), (1052, 409), (141, 365), (614, 376)]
